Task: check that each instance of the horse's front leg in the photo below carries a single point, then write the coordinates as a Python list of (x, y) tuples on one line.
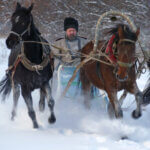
[(26, 93), (114, 105), (139, 98), (42, 100), (16, 94), (51, 102), (86, 88)]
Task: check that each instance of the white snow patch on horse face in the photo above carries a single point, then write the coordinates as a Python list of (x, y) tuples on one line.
[(17, 19)]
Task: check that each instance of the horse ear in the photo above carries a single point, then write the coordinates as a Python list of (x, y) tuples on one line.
[(120, 32), (30, 8), (137, 32), (18, 5)]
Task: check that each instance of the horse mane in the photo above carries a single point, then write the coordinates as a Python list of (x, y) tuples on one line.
[(126, 30), (34, 28)]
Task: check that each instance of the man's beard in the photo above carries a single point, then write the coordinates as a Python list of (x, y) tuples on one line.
[(72, 37)]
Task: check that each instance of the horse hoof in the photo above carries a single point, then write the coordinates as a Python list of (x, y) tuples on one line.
[(135, 115), (35, 126), (12, 118), (41, 106), (52, 119), (124, 137), (13, 114), (119, 115)]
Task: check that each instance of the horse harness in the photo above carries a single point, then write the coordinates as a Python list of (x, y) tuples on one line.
[(110, 51), (26, 62)]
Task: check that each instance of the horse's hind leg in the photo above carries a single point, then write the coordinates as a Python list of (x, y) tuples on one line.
[(28, 100), (115, 105), (16, 94), (51, 103), (42, 100)]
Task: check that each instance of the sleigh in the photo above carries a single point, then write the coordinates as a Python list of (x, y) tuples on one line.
[(74, 92)]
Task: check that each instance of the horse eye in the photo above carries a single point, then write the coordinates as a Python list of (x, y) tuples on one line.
[(17, 19)]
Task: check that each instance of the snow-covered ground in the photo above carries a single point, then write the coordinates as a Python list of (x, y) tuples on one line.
[(76, 128)]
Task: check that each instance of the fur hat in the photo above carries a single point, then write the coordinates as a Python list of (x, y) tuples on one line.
[(70, 22)]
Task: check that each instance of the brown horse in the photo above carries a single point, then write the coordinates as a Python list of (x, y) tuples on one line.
[(121, 75)]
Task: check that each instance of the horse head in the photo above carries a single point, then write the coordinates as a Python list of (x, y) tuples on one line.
[(21, 21), (125, 50)]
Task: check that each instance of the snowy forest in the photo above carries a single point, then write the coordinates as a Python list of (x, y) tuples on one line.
[(49, 15)]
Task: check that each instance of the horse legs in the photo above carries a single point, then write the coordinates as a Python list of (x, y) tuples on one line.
[(51, 103), (123, 96), (114, 105), (139, 98), (42, 100), (28, 100), (137, 112), (16, 94), (87, 95), (86, 88)]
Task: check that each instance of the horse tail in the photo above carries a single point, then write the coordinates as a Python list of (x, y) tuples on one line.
[(5, 86)]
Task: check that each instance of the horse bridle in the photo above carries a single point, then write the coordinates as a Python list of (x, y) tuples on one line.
[(21, 34), (123, 64)]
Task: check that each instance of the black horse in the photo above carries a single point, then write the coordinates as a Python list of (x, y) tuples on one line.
[(23, 29)]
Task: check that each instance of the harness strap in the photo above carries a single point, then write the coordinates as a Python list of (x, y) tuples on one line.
[(109, 50), (51, 57), (98, 71), (14, 66), (127, 40), (123, 64)]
